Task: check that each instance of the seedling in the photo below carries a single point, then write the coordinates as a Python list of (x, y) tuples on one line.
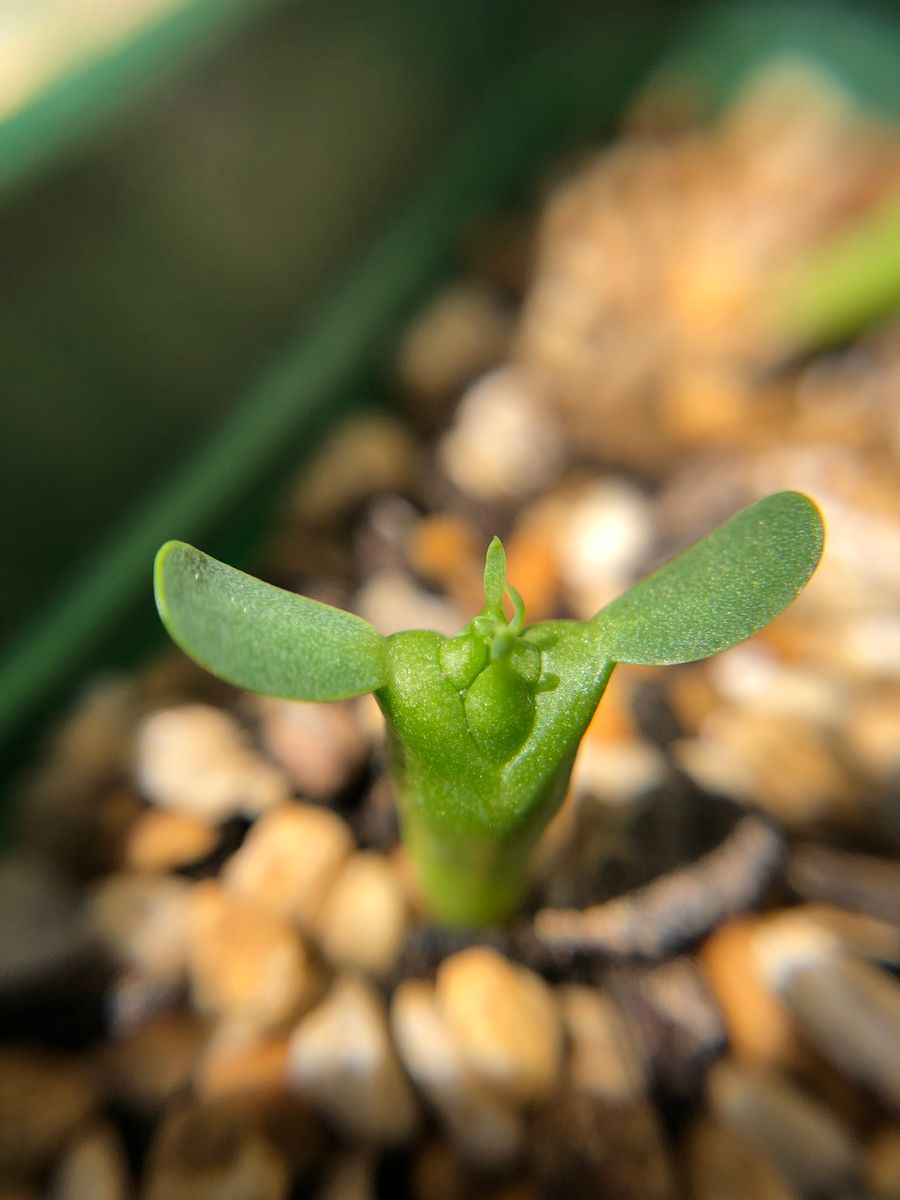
[(482, 728)]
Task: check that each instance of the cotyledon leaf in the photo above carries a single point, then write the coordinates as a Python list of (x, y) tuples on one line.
[(260, 637), (719, 591)]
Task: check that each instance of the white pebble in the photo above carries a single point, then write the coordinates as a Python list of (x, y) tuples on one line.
[(605, 539), (504, 443), (504, 1019), (604, 1061), (320, 746), (461, 332), (618, 772), (749, 674), (871, 645), (244, 963), (341, 1057), (288, 861), (195, 760), (486, 1130), (364, 915), (391, 602)]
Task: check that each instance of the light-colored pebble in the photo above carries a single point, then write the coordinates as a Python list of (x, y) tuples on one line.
[(461, 333), (213, 1152), (364, 916), (365, 454), (288, 861), (703, 403), (321, 747), (604, 1060), (195, 760), (619, 772), (808, 1144), (504, 443), (855, 933), (393, 603), (92, 1166), (487, 1130), (750, 674), (505, 1021), (244, 963), (403, 864), (613, 721), (850, 1010), (872, 732), (759, 1026), (95, 739), (606, 538), (248, 1073), (371, 719), (162, 841), (785, 765), (142, 920), (342, 1058), (237, 1062), (691, 695), (871, 644), (43, 1100)]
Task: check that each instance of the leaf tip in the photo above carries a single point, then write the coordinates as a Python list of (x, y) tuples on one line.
[(495, 575), (165, 554), (808, 515)]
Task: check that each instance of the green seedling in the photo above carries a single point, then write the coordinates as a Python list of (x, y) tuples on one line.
[(483, 728)]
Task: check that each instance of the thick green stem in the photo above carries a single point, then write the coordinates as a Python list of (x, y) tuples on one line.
[(469, 877), (472, 807), (464, 882)]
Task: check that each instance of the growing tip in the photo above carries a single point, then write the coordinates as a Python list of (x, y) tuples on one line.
[(494, 576)]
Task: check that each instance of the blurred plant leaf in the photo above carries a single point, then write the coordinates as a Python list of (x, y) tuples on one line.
[(840, 287)]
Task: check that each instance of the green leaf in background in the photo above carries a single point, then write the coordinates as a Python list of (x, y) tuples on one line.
[(261, 637), (842, 285), (718, 592)]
